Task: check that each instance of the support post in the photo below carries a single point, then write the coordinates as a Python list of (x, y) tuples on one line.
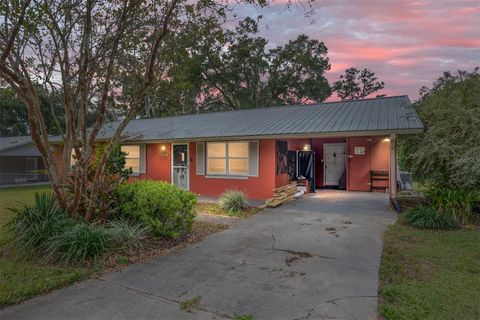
[(393, 166)]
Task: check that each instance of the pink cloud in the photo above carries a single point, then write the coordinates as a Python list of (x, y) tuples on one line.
[(407, 43)]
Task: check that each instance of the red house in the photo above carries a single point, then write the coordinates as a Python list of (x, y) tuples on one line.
[(249, 150)]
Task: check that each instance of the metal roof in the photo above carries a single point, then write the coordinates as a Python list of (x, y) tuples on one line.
[(358, 117), (14, 142)]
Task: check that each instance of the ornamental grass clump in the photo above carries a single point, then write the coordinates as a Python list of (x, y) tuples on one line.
[(456, 202), (233, 201), (429, 218), (127, 234), (78, 243), (33, 226)]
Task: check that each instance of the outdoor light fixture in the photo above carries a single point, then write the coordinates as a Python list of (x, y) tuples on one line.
[(386, 139), (306, 147), (163, 150)]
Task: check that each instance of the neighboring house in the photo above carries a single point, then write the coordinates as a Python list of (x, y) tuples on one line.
[(253, 150), (20, 162)]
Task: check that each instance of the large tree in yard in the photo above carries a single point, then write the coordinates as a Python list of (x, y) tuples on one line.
[(447, 154), (214, 68), (357, 84), (96, 55)]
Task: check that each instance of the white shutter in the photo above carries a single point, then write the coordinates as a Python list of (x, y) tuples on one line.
[(253, 155), (143, 158), (200, 158)]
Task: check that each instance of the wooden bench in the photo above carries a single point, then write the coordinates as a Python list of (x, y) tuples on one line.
[(376, 176)]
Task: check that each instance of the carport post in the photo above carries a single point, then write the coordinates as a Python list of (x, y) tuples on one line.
[(393, 167)]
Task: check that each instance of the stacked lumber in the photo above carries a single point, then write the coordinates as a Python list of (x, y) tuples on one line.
[(282, 194)]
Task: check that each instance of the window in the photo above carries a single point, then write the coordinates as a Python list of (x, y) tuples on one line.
[(74, 158), (132, 159), (227, 158)]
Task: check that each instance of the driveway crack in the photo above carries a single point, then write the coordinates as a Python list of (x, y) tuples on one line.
[(164, 299)]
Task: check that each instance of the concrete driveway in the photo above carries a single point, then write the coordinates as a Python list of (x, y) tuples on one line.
[(314, 258)]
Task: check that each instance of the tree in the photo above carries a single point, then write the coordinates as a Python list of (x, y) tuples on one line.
[(217, 69), (100, 56), (356, 84), (14, 115), (448, 152)]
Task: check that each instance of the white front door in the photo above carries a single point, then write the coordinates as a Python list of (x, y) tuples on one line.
[(180, 165), (333, 163)]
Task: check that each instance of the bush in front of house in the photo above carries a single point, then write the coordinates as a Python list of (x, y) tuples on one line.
[(167, 210), (78, 243), (429, 218), (456, 202), (33, 226), (233, 201)]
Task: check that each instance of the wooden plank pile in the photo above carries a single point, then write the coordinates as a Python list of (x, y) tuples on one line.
[(282, 195)]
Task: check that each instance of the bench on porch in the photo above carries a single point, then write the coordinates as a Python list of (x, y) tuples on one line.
[(378, 176)]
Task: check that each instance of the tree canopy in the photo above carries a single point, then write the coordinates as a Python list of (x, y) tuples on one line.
[(357, 84), (448, 152), (217, 69)]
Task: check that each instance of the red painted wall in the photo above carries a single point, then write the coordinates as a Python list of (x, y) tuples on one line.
[(376, 157), (260, 187), (158, 163)]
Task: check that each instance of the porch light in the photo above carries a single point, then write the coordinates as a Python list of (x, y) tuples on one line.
[(386, 139), (306, 147), (163, 147)]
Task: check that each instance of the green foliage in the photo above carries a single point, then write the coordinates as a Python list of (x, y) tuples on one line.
[(33, 226), (165, 209), (447, 153), (115, 166), (233, 201), (126, 234), (78, 243), (216, 69), (455, 202), (243, 317), (14, 115), (357, 84), (188, 305), (428, 218)]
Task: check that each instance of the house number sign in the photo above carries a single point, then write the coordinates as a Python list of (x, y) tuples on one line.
[(359, 150)]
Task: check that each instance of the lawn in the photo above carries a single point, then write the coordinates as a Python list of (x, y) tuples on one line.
[(21, 278), (430, 274)]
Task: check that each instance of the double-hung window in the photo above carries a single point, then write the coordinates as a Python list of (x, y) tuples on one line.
[(227, 158), (132, 158)]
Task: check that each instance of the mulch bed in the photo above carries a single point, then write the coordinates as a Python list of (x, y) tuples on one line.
[(156, 247)]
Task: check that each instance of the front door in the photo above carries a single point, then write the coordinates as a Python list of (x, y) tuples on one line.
[(180, 161), (333, 163)]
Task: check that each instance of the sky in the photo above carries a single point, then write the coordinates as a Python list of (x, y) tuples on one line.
[(408, 44)]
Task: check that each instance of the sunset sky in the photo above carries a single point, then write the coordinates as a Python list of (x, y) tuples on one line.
[(407, 43)]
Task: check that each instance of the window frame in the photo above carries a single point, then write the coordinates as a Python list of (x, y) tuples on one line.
[(134, 173), (227, 160)]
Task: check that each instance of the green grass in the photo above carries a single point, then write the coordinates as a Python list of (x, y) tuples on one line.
[(20, 277), (430, 274), (214, 208)]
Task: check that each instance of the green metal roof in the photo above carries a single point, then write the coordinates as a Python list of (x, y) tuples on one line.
[(358, 117)]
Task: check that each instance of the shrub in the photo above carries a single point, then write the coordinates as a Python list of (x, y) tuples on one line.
[(166, 209), (126, 234), (78, 243), (233, 201), (428, 218), (456, 202), (33, 226)]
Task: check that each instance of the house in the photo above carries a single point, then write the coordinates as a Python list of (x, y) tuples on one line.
[(347, 144), (20, 162)]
